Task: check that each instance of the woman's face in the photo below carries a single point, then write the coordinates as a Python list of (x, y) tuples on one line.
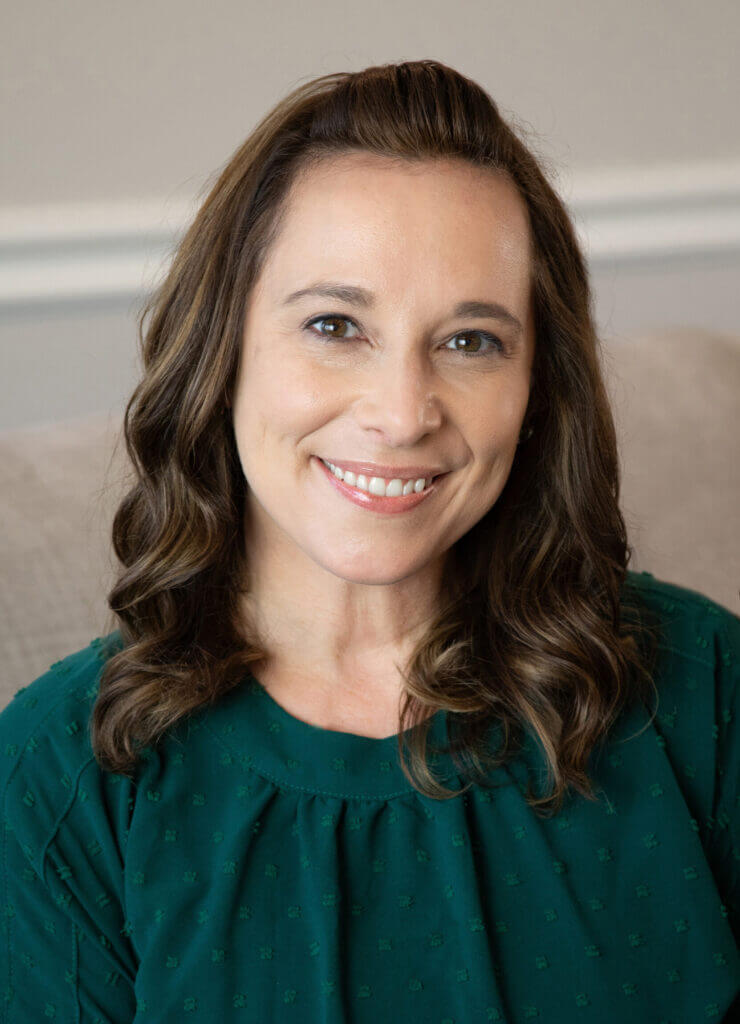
[(384, 365)]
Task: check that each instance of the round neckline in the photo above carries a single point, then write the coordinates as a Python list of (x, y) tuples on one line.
[(298, 755)]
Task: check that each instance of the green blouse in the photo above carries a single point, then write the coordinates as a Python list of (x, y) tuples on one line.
[(261, 869)]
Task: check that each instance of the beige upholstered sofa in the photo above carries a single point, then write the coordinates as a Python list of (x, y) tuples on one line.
[(675, 396)]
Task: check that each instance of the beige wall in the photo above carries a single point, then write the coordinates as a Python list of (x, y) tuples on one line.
[(107, 99), (105, 107)]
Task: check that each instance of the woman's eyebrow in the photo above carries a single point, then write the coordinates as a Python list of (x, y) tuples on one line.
[(362, 297)]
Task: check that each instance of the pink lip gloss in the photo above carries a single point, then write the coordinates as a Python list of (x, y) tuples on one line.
[(374, 502)]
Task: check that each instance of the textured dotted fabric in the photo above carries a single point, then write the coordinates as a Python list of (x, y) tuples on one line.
[(262, 869)]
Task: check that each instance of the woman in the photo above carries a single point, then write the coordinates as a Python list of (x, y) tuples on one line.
[(386, 728)]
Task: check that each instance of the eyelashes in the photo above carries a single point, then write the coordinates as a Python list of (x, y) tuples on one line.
[(496, 346)]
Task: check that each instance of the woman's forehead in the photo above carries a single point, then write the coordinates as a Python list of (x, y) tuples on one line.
[(440, 220), (427, 192)]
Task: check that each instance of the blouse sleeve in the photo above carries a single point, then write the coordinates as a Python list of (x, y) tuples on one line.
[(724, 842), (67, 952)]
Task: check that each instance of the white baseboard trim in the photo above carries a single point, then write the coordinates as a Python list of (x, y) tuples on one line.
[(82, 252)]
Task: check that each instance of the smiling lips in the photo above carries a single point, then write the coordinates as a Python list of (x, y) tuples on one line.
[(375, 469), (381, 502), (390, 486)]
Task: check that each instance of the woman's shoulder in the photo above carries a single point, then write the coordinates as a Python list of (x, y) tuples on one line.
[(696, 668), (668, 594), (45, 743), (690, 624), (697, 719), (53, 707)]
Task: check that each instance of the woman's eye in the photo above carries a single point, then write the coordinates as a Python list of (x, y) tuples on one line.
[(483, 343), (331, 319), (483, 336)]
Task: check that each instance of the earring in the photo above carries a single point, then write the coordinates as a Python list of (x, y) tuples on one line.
[(526, 436)]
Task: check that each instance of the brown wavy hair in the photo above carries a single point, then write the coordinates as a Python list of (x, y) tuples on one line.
[(534, 628)]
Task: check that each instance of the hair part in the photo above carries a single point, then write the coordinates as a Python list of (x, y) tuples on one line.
[(535, 630)]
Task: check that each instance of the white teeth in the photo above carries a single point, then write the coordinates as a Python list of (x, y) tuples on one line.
[(376, 484)]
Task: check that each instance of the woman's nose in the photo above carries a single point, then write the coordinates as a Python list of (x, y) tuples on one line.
[(400, 398)]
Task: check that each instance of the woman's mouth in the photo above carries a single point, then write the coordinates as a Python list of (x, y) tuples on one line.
[(364, 496)]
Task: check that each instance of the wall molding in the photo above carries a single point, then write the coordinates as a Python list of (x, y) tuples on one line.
[(118, 250)]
